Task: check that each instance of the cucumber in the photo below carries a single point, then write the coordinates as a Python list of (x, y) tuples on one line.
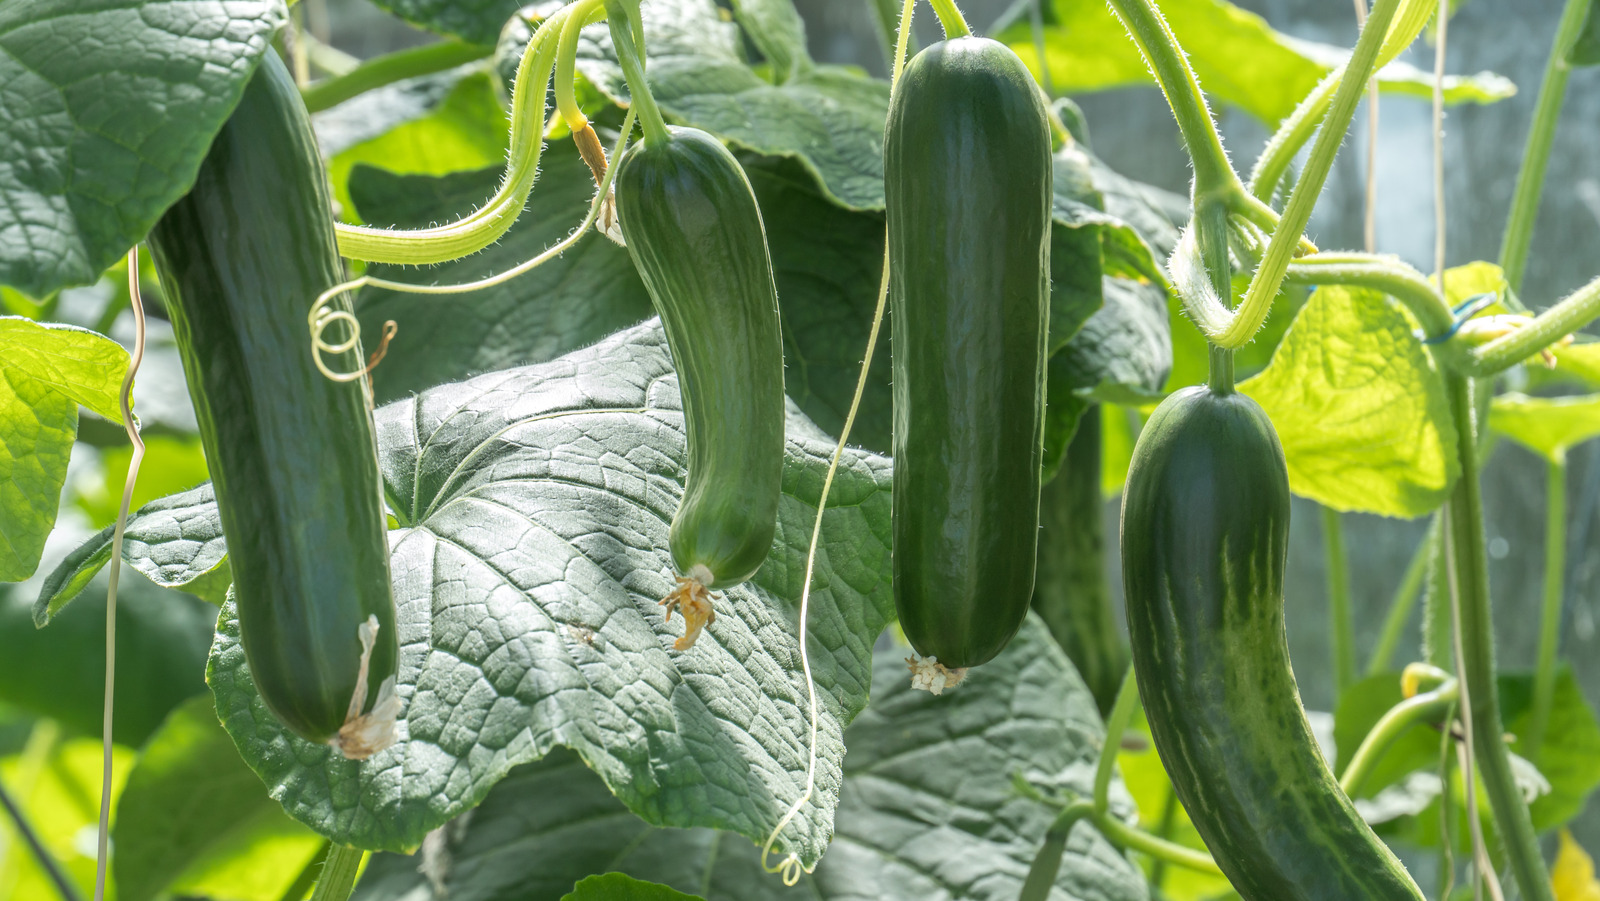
[(1070, 592), (694, 232), (967, 179), (293, 456), (1205, 530)]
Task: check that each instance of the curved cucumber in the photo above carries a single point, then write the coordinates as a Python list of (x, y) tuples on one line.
[(1205, 529), (967, 178), (695, 234), (292, 454)]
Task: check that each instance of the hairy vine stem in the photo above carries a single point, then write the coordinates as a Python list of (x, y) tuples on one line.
[(1274, 266), (1297, 129), (485, 225), (323, 316), (627, 35)]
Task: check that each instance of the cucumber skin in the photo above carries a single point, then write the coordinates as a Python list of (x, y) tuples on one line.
[(293, 455), (967, 178), (695, 234), (1205, 531)]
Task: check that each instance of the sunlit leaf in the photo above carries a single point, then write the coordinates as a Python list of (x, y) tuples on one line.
[(1360, 407)]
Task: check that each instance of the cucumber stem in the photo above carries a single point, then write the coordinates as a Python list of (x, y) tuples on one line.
[(390, 68), (1555, 556), (1403, 602), (627, 36), (1470, 587), (1530, 178), (1341, 629), (950, 19)]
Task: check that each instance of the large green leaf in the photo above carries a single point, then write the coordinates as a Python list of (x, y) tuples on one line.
[(774, 26), (176, 542), (929, 809), (1360, 407), (193, 818), (1570, 755), (46, 372), (60, 673), (1236, 55), (1546, 425), (569, 302), (110, 106), (534, 506)]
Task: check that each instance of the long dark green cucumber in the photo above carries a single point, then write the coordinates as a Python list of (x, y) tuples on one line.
[(967, 178), (1070, 592), (1205, 529), (695, 234), (292, 454)]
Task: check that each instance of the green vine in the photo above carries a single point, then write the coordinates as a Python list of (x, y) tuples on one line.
[(390, 68), (1555, 556), (338, 877), (1469, 570), (485, 225), (1530, 178)]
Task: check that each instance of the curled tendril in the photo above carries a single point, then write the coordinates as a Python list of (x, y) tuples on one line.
[(324, 315)]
